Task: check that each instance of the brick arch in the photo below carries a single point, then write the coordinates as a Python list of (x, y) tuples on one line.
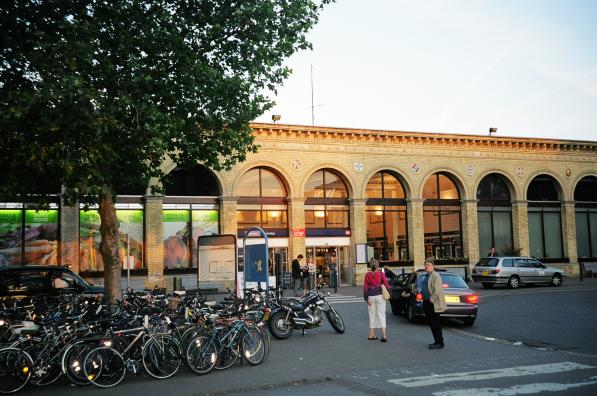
[(277, 170), (455, 176), (339, 171), (400, 174)]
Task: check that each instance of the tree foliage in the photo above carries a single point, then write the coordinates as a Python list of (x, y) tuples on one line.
[(95, 95)]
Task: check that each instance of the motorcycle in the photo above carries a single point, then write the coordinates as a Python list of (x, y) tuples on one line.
[(303, 314)]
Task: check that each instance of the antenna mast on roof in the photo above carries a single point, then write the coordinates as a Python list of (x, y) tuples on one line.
[(312, 103)]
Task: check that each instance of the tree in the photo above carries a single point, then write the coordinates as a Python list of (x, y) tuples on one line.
[(95, 95)]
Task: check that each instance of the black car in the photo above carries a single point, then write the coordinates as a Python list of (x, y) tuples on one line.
[(34, 280), (406, 297)]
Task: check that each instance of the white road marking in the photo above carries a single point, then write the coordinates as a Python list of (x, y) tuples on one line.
[(520, 371), (482, 296), (340, 299), (525, 389)]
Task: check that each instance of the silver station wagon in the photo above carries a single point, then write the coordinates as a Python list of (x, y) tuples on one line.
[(514, 271)]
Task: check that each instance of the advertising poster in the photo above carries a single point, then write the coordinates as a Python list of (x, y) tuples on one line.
[(10, 237), (176, 239), (41, 237), (131, 223), (204, 222)]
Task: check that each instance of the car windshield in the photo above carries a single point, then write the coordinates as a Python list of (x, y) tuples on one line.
[(448, 281), (488, 262)]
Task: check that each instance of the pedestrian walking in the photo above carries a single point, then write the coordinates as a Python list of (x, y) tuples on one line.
[(434, 302), (376, 305), (306, 279), (297, 275)]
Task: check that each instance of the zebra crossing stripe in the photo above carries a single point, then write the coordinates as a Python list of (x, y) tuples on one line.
[(520, 371), (525, 389)]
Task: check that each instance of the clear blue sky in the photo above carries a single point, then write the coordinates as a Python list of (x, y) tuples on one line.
[(526, 67)]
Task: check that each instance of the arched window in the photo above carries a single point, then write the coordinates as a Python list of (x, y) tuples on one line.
[(585, 197), (262, 202), (386, 217), (442, 219), (545, 222), (494, 214), (190, 210), (326, 204)]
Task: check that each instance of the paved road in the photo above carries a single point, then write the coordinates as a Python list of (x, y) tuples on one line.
[(527, 341)]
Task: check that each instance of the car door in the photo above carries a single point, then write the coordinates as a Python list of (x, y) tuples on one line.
[(524, 270), (540, 273)]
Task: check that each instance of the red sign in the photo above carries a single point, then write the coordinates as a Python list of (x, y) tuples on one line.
[(298, 232)]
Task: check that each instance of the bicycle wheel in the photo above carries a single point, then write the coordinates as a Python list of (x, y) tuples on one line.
[(252, 346), (162, 356), (228, 355), (201, 355), (15, 369), (104, 367), (72, 362)]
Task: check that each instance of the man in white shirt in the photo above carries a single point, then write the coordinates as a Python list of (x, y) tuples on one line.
[(59, 283)]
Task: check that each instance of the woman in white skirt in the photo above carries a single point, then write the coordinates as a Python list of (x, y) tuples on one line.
[(376, 303)]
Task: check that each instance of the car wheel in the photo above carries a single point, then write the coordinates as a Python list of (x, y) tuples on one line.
[(487, 285), (412, 315), (513, 282), (556, 280), (469, 321)]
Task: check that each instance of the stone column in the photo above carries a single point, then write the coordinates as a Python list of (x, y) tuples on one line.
[(69, 236), (520, 227), (470, 231), (358, 234), (416, 232), (296, 220), (228, 208), (569, 231), (154, 250)]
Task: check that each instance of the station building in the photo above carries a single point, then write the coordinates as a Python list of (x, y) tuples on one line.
[(341, 195)]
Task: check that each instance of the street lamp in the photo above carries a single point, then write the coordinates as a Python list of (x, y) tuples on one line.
[(492, 131)]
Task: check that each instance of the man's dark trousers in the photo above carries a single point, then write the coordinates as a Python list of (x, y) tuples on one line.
[(434, 322)]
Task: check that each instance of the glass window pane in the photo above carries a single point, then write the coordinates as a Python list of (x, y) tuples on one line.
[(314, 218), (447, 188), (203, 222), (593, 229), (582, 235), (131, 224), (543, 188), (553, 234), (176, 238), (11, 237), (271, 185), (90, 257), (392, 187), (314, 186), (430, 188), (337, 219), (535, 234), (248, 218), (502, 232), (586, 189), (334, 186), (41, 237), (249, 184), (274, 219), (374, 187), (484, 224)]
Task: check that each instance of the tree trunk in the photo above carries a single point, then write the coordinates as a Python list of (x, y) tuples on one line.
[(109, 247)]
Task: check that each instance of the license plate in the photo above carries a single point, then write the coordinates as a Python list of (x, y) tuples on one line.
[(452, 299), (485, 273), (266, 316)]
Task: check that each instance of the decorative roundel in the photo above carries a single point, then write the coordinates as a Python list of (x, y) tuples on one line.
[(568, 172), (415, 168), (358, 166), (296, 164), (469, 169), (520, 171)]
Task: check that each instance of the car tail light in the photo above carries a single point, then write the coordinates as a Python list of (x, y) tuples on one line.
[(419, 297), (472, 299), (445, 285), (495, 271)]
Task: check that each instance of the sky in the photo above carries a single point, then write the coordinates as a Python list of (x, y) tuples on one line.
[(525, 67)]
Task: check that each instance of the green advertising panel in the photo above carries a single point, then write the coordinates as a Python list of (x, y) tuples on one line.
[(130, 223), (205, 222), (10, 236), (176, 239)]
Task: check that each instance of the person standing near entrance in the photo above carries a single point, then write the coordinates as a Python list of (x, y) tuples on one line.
[(376, 303), (492, 253), (311, 273), (333, 273), (434, 302), (297, 274)]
